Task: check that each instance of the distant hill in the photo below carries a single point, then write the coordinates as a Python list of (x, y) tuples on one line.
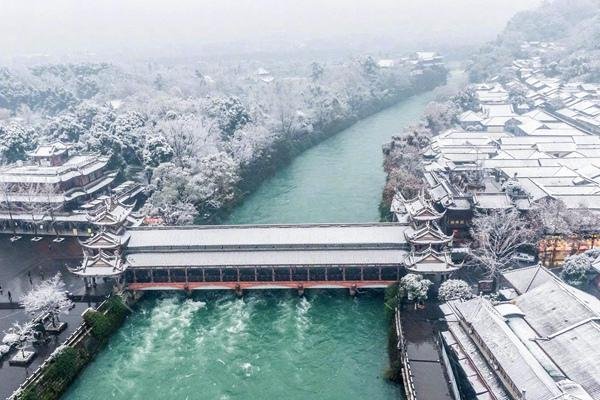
[(573, 25)]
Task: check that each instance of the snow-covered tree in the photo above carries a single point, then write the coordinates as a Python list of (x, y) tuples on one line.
[(454, 289), (554, 218), (189, 138), (414, 287), (229, 113), (440, 116), (215, 183), (513, 188), (15, 142), (157, 150), (576, 269), (316, 71), (26, 334), (170, 187), (497, 236), (48, 297), (467, 99)]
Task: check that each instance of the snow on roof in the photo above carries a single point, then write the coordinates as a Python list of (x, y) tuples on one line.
[(591, 202), (470, 116), (498, 110), (75, 166), (266, 236), (262, 71), (265, 257), (556, 147), (385, 63), (492, 201), (508, 352), (50, 149)]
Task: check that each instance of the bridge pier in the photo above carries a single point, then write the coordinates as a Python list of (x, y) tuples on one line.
[(353, 290), (300, 290), (239, 292)]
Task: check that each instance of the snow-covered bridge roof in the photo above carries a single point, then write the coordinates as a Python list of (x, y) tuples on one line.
[(331, 244), (266, 237), (266, 258)]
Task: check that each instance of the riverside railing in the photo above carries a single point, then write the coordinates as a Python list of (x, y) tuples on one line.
[(407, 376), (72, 341)]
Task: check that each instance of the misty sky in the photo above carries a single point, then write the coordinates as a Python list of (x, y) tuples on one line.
[(64, 26)]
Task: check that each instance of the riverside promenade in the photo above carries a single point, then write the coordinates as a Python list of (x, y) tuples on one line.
[(427, 374)]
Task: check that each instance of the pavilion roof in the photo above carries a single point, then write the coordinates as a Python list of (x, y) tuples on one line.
[(104, 240), (428, 234), (419, 208), (110, 213), (430, 261), (101, 264)]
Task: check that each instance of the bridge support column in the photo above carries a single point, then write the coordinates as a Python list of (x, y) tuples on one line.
[(353, 290), (238, 291), (300, 290)]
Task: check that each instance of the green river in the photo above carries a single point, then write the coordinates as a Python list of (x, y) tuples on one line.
[(271, 344)]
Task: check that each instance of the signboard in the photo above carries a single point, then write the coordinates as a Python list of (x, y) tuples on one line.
[(485, 286)]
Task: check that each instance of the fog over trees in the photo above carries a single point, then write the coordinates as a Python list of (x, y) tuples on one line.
[(574, 25), (186, 27)]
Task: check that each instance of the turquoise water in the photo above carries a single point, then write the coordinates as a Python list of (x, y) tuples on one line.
[(339, 180), (270, 344)]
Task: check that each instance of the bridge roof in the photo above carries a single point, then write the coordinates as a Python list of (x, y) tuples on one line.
[(266, 236), (266, 258)]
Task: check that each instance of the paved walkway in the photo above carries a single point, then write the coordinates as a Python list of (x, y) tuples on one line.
[(425, 360), (24, 263), (18, 262)]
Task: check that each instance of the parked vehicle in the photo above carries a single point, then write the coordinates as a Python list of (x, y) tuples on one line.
[(524, 257)]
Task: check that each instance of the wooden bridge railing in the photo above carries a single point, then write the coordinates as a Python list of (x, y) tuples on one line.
[(330, 273)]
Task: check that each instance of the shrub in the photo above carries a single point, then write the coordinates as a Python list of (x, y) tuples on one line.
[(454, 289), (103, 323), (65, 364), (576, 269), (391, 299), (100, 324)]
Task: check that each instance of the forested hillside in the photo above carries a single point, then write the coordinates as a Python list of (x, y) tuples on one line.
[(200, 135), (574, 26)]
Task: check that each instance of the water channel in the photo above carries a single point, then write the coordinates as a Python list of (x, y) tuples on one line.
[(270, 344)]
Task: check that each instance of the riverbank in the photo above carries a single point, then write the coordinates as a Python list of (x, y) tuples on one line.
[(50, 380), (401, 155), (286, 148), (353, 159), (24, 264)]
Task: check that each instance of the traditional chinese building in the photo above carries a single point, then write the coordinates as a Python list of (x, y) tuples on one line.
[(436, 266), (418, 210), (542, 345), (102, 252), (48, 193), (428, 255)]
